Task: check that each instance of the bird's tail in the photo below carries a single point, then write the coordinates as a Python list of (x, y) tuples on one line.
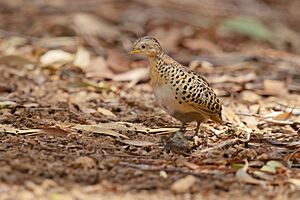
[(217, 118)]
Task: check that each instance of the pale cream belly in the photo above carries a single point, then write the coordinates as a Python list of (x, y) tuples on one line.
[(181, 111)]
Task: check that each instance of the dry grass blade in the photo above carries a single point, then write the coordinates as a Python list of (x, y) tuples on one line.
[(12, 130), (49, 131)]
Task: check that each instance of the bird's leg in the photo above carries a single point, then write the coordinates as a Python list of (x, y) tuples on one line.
[(182, 128), (197, 140), (197, 129)]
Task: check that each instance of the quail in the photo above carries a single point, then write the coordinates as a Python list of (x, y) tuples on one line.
[(181, 92)]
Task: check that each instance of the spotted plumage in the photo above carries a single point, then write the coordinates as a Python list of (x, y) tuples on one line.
[(182, 93)]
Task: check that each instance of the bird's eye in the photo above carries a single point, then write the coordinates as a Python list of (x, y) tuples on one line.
[(143, 46)]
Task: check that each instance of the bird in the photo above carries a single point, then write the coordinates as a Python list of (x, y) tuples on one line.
[(182, 93)]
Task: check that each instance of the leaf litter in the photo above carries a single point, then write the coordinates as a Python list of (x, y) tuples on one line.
[(78, 117)]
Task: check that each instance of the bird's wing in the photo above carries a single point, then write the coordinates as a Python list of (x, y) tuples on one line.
[(201, 97), (199, 77), (193, 89)]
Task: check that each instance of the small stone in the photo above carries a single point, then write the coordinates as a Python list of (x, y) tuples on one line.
[(163, 174), (184, 184)]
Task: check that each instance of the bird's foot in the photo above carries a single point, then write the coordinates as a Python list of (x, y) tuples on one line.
[(197, 140), (200, 141)]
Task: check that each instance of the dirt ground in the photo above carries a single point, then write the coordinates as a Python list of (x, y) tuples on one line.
[(78, 119)]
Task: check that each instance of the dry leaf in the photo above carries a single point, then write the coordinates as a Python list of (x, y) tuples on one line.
[(98, 68), (283, 116), (117, 61), (190, 165), (144, 129), (134, 75), (274, 87), (271, 166), (54, 131), (295, 182), (88, 24), (280, 115), (263, 175), (119, 126), (250, 121), (202, 44), (111, 128), (184, 184), (7, 104), (139, 143), (50, 131), (59, 57), (56, 42), (82, 58), (9, 45), (106, 112), (243, 176), (100, 130)]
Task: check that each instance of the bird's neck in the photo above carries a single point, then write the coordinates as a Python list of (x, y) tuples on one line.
[(155, 60)]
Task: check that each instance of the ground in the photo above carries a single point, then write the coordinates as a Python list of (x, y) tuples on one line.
[(78, 119)]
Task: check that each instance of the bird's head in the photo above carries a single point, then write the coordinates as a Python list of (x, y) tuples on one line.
[(147, 45)]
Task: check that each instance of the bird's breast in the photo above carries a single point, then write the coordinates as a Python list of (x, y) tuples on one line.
[(166, 98)]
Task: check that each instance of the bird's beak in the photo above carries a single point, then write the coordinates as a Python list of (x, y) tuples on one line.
[(135, 51)]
